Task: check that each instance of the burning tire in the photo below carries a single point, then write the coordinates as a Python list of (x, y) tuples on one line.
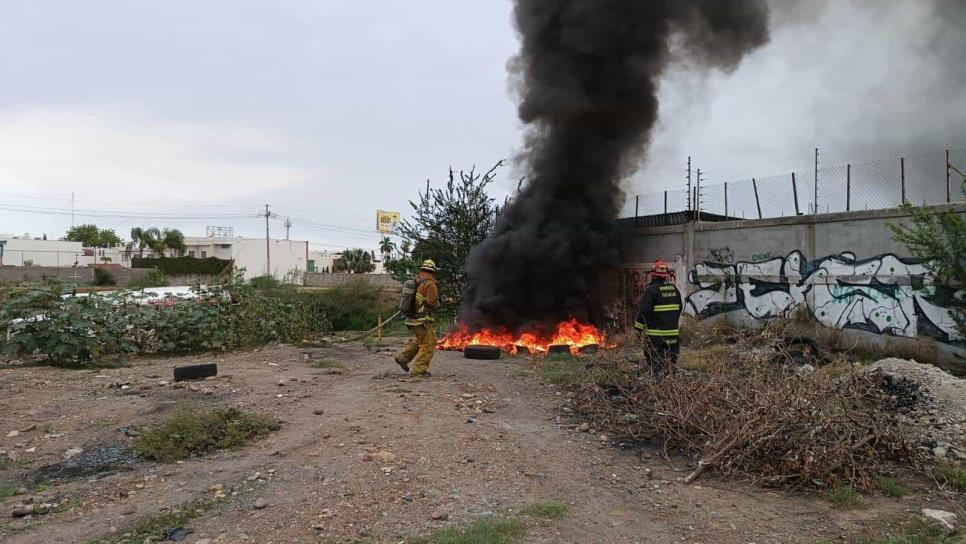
[(481, 352), (195, 372), (558, 349)]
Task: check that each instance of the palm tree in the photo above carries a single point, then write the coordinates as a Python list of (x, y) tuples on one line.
[(170, 239), (143, 238), (355, 261), (386, 247)]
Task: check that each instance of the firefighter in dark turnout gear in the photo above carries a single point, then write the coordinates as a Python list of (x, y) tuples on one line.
[(657, 319)]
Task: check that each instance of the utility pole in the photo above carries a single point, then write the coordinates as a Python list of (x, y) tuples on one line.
[(72, 209), (268, 246), (815, 202), (288, 225)]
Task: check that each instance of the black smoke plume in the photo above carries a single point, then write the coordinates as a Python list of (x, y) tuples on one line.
[(587, 74)]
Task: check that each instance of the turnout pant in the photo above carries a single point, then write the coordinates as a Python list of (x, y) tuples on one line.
[(661, 354), (420, 348)]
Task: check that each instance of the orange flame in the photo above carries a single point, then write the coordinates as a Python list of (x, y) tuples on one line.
[(571, 333)]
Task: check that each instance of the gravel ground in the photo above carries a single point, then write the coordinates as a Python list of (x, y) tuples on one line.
[(366, 453)]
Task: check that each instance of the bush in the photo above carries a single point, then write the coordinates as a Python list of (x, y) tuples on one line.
[(103, 277), (353, 306), (191, 432), (265, 282), (80, 330), (179, 266)]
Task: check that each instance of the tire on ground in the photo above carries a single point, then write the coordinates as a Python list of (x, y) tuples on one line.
[(481, 352), (195, 372)]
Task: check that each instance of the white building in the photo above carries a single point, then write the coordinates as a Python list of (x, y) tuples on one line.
[(289, 258), (27, 250)]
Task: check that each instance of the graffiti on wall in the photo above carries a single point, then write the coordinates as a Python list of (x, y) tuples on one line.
[(884, 294)]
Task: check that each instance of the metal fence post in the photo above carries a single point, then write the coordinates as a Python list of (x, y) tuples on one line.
[(726, 198), (902, 178), (665, 202), (637, 204), (948, 195), (848, 187), (754, 185), (795, 194)]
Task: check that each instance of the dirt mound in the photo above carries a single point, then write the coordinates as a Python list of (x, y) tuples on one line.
[(931, 401)]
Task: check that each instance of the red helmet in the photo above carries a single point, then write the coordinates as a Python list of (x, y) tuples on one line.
[(660, 269)]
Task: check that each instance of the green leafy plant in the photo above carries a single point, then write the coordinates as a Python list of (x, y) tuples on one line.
[(265, 282), (192, 432), (72, 330), (939, 239)]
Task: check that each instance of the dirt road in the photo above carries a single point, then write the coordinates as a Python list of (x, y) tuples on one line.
[(368, 454)]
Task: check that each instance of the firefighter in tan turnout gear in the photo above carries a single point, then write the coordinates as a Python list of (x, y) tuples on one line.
[(657, 319), (422, 323)]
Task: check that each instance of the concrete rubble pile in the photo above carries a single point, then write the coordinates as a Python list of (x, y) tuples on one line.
[(931, 402)]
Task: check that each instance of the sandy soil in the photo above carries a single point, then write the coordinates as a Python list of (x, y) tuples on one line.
[(370, 454)]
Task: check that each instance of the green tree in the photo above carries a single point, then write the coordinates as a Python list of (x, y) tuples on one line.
[(90, 236), (354, 261), (446, 223), (939, 239)]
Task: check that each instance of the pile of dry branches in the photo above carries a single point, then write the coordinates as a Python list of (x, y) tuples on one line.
[(777, 424)]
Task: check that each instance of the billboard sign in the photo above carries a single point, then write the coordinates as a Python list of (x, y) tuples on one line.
[(386, 221)]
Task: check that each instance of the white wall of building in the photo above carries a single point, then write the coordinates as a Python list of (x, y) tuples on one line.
[(289, 258), (24, 249)]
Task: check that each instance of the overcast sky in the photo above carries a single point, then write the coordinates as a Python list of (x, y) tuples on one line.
[(202, 112)]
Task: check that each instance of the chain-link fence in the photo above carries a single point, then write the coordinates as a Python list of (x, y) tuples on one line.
[(927, 178)]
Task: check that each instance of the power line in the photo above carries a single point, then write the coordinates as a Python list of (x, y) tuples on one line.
[(117, 214)]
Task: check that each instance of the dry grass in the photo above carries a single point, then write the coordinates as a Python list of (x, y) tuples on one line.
[(768, 421)]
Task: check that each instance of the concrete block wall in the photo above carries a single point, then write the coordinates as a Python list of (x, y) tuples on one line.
[(79, 275), (846, 268), (318, 279)]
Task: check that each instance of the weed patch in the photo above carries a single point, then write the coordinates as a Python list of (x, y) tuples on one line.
[(951, 475), (545, 510), (192, 432), (155, 528), (482, 531), (844, 497), (5, 462), (563, 370), (325, 363), (7, 491), (891, 487)]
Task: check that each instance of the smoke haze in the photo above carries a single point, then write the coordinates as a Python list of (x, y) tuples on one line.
[(588, 76)]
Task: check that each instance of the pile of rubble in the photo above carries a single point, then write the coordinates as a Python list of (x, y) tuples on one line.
[(931, 402)]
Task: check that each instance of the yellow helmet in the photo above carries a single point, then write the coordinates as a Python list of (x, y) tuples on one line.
[(428, 265)]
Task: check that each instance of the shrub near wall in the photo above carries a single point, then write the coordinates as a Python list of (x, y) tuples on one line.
[(174, 266)]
